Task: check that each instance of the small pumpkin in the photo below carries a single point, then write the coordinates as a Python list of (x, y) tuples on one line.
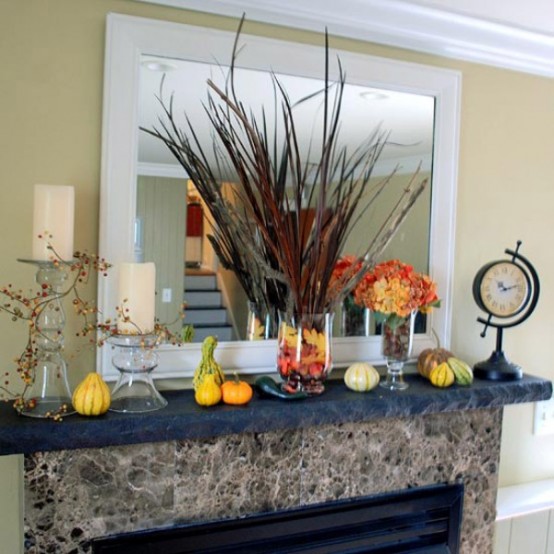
[(236, 392), (208, 392), (361, 377), (442, 376), (92, 396), (430, 358), (462, 372)]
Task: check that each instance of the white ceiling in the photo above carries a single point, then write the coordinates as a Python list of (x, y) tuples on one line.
[(535, 15), (512, 34)]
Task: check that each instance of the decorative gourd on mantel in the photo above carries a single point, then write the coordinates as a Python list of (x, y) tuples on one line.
[(361, 377)]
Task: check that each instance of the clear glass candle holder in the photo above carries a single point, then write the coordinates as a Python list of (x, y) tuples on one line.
[(135, 359), (49, 391)]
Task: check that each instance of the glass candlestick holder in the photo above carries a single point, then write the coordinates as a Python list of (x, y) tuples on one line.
[(49, 390), (135, 360)]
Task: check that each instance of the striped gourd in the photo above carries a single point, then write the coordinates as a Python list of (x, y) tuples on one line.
[(92, 396), (361, 377), (442, 376), (462, 372)]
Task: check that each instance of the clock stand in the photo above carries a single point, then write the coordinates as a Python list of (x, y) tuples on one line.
[(497, 367)]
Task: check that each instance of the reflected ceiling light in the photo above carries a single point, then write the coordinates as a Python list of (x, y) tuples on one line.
[(374, 95), (158, 65)]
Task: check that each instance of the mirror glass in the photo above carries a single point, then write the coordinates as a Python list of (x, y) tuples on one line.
[(132, 169), (170, 213)]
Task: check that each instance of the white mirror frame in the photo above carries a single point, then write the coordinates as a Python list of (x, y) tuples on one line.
[(127, 38)]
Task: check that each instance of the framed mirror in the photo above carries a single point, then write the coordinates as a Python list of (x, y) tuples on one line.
[(138, 51)]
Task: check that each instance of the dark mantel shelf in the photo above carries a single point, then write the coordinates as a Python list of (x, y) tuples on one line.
[(183, 419)]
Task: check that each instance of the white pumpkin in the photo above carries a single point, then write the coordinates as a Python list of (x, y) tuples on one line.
[(361, 377)]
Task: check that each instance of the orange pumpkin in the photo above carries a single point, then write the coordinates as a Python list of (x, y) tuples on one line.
[(236, 392), (430, 358)]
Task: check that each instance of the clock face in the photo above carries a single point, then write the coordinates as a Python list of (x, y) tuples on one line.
[(504, 289)]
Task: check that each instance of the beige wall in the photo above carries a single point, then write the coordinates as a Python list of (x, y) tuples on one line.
[(52, 64)]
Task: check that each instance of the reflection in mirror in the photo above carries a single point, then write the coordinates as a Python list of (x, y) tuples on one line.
[(170, 212), (130, 40)]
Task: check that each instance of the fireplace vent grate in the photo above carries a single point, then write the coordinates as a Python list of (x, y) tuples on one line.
[(416, 521)]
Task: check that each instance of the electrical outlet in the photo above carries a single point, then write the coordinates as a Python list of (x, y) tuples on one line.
[(544, 417), (166, 295)]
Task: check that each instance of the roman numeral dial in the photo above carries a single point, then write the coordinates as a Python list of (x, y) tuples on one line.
[(503, 289)]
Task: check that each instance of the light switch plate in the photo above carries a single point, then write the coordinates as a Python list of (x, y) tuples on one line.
[(544, 417)]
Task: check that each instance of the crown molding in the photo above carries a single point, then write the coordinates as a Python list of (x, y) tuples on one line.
[(401, 24)]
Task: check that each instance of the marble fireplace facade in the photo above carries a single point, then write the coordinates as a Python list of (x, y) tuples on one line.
[(72, 496)]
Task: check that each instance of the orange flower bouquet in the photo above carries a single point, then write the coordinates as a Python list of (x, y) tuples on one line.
[(394, 292)]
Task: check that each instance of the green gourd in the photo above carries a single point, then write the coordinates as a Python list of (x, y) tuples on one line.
[(268, 387), (462, 372)]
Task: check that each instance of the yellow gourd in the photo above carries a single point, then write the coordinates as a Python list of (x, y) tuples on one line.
[(361, 377), (208, 392), (442, 376), (92, 396), (208, 365)]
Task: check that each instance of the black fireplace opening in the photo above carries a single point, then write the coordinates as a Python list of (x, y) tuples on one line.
[(424, 520)]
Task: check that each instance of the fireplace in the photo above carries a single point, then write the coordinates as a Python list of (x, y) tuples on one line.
[(186, 467), (75, 496), (423, 520)]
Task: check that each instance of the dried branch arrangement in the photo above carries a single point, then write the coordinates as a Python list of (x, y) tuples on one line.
[(286, 223)]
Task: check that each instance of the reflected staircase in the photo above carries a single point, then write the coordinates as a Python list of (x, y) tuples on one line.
[(204, 307)]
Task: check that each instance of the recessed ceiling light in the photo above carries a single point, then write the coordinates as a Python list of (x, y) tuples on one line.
[(374, 95), (158, 65)]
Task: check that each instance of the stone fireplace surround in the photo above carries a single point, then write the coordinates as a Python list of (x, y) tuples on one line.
[(186, 464)]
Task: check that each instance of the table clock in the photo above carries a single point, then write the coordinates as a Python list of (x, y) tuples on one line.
[(508, 292)]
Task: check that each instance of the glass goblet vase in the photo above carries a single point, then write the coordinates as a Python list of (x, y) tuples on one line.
[(398, 335), (135, 359)]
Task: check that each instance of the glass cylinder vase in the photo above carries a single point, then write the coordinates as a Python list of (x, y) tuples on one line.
[(304, 358), (355, 319), (398, 335), (259, 323)]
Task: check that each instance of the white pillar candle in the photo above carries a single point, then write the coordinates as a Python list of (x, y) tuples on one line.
[(53, 222), (136, 298)]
